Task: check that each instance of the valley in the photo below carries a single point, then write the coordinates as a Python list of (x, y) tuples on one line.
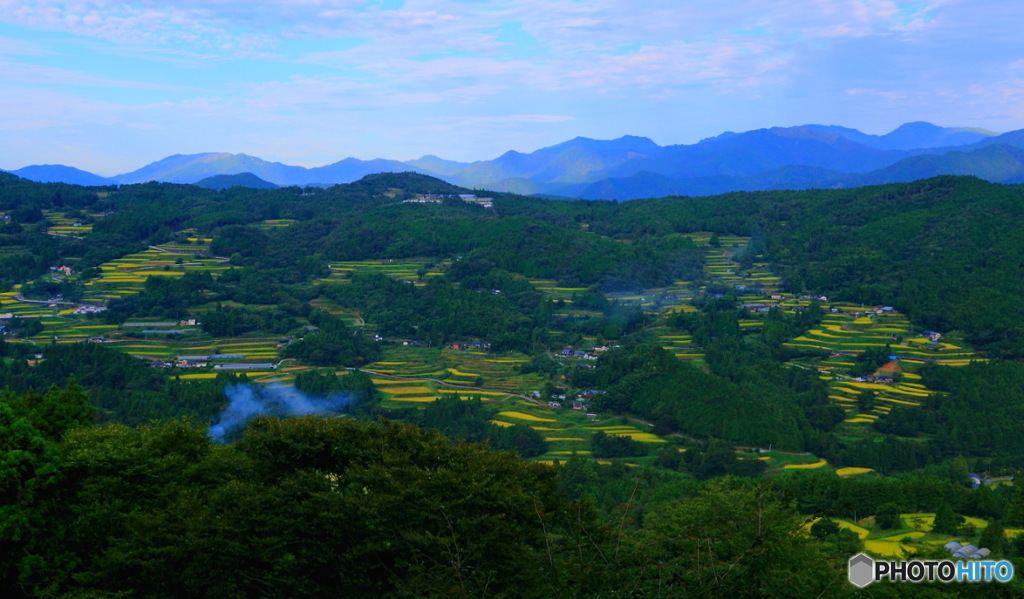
[(641, 351)]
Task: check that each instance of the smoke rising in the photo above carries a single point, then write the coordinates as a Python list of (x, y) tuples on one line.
[(248, 401)]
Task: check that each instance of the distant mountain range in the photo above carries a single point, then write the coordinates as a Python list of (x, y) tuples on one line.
[(809, 156)]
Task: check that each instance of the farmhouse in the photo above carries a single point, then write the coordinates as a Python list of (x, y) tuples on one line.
[(472, 199)]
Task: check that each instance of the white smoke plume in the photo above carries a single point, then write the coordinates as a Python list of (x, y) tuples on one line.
[(248, 401)]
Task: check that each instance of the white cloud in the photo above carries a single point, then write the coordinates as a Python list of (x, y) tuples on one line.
[(888, 95), (45, 75)]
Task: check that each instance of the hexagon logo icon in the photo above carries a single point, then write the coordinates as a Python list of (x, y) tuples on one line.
[(861, 570)]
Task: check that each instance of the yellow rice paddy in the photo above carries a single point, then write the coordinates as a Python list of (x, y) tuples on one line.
[(817, 464), (853, 471), (524, 416)]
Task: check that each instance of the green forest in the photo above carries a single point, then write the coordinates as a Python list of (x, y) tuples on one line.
[(710, 396)]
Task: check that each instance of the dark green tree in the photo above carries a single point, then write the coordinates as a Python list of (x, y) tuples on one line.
[(735, 540), (887, 516), (946, 520)]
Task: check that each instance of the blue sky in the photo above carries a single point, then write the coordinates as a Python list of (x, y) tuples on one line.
[(109, 86)]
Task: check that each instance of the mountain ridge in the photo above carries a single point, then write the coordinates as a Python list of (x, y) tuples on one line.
[(632, 166)]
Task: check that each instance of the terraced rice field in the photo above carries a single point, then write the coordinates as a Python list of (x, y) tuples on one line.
[(923, 522), (277, 223), (842, 333), (889, 547), (861, 532), (70, 230), (11, 305), (404, 390), (524, 416), (63, 225), (845, 336), (629, 431), (459, 368), (253, 349), (807, 466), (721, 270), (406, 269), (125, 276), (761, 275), (680, 345)]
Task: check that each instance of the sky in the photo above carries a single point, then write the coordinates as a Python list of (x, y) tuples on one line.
[(109, 86)]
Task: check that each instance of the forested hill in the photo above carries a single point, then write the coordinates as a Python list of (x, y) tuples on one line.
[(945, 250)]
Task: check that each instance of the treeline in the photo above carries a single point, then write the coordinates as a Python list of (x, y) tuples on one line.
[(121, 388), (980, 412), (648, 381), (437, 312), (330, 342), (320, 507)]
